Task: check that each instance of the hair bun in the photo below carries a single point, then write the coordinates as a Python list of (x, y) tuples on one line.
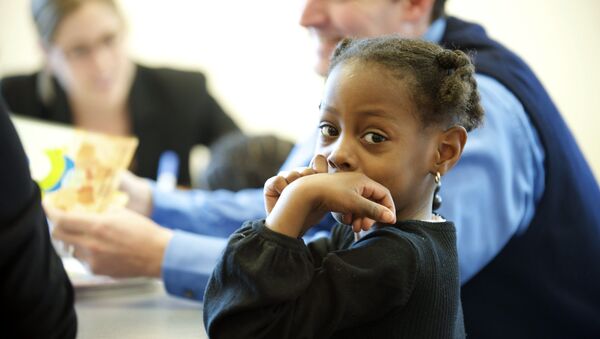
[(451, 60)]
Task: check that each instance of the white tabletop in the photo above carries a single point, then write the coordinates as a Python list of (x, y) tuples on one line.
[(140, 310)]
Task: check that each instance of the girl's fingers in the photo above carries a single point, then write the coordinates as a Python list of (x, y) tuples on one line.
[(362, 224), (356, 225), (319, 163), (275, 185), (347, 219), (308, 171), (375, 210), (292, 176), (379, 194)]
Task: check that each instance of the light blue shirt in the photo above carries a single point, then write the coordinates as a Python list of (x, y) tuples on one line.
[(490, 195)]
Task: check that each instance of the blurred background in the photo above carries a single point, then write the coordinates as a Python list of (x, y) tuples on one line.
[(259, 60)]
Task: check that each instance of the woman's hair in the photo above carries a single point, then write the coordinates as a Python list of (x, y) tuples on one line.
[(441, 81), (48, 14)]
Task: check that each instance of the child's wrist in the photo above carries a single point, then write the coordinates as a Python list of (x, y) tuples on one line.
[(291, 211), (281, 227)]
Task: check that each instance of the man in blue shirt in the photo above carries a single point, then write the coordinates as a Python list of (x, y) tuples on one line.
[(499, 193)]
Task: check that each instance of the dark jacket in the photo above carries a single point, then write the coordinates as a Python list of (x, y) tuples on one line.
[(170, 110), (545, 283), (36, 297)]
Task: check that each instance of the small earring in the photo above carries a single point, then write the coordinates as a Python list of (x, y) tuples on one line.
[(437, 199)]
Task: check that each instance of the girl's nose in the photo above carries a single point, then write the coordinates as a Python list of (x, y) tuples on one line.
[(342, 159)]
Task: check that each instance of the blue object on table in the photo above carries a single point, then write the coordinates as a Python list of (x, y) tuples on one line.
[(168, 168)]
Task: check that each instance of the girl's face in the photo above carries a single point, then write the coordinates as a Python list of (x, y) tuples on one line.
[(369, 124), (88, 56)]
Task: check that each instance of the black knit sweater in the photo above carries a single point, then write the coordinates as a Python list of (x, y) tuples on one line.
[(397, 281)]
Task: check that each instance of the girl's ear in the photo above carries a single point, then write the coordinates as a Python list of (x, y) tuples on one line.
[(449, 148)]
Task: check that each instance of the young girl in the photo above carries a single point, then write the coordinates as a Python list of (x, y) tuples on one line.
[(395, 116)]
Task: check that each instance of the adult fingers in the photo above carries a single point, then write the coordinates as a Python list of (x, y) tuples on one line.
[(126, 180), (71, 222), (75, 245)]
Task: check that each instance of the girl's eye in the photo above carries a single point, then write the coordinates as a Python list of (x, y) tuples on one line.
[(328, 130), (374, 138)]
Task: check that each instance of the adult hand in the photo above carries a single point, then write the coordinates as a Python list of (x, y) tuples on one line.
[(118, 243), (275, 185), (302, 203), (139, 192)]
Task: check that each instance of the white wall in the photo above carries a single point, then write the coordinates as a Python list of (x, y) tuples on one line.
[(259, 64)]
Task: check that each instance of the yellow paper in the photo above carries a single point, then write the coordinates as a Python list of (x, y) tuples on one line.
[(91, 184)]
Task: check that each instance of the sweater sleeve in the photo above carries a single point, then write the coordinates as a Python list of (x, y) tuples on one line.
[(268, 285)]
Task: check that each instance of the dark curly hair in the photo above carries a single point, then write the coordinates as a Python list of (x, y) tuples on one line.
[(239, 161), (441, 81)]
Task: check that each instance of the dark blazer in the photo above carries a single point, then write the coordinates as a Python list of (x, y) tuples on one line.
[(170, 110), (36, 297)]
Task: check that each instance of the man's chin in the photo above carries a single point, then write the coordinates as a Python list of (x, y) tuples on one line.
[(322, 68), (323, 56)]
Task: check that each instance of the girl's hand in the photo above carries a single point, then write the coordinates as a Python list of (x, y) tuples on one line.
[(304, 202), (275, 185)]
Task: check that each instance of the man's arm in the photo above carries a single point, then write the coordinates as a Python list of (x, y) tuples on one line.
[(491, 193), (214, 213), (188, 263)]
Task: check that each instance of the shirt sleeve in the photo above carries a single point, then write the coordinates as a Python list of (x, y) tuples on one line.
[(188, 262), (491, 193), (214, 213), (266, 284)]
